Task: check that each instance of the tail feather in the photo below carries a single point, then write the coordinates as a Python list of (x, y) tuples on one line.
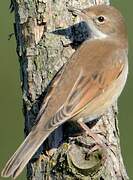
[(33, 141), (24, 153)]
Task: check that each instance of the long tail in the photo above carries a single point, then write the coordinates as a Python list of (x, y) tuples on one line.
[(24, 153), (39, 133)]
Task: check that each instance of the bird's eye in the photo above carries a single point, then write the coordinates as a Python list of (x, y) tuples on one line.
[(101, 19)]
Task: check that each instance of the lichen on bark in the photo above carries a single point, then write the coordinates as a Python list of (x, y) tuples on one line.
[(47, 34)]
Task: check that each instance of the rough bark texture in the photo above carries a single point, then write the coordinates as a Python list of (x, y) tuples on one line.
[(47, 34)]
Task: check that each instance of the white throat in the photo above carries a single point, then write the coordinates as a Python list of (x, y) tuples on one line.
[(99, 35), (95, 33)]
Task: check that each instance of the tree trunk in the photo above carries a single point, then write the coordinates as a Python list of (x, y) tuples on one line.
[(47, 34)]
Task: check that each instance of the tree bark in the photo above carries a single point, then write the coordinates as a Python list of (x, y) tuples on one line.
[(47, 34)]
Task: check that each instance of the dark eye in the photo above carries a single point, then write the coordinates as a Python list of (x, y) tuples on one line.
[(101, 19)]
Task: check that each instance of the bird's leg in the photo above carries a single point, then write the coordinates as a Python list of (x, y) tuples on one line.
[(91, 134)]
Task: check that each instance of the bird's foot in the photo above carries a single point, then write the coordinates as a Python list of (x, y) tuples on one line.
[(94, 136)]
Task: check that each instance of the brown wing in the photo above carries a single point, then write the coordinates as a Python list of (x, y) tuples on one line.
[(83, 92), (82, 80), (90, 88)]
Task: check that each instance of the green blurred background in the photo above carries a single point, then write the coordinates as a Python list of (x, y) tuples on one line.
[(11, 128)]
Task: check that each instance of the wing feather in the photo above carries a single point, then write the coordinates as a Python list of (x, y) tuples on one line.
[(83, 92), (90, 87)]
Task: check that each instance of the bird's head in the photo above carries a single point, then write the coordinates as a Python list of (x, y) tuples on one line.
[(104, 21)]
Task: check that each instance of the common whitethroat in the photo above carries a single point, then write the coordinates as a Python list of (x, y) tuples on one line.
[(89, 83)]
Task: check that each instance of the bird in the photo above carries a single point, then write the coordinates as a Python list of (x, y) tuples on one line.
[(86, 86)]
